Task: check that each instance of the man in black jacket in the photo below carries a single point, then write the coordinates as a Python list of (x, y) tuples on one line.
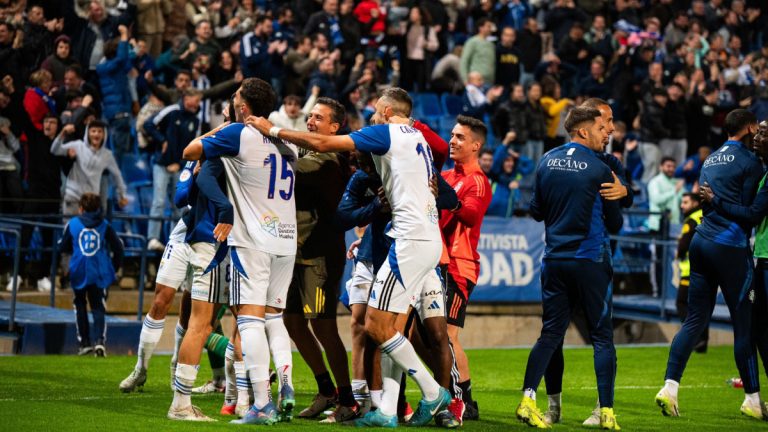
[(675, 145), (89, 35), (652, 131), (172, 129)]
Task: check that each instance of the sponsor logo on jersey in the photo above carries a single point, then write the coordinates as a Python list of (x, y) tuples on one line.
[(719, 158), (567, 164), (269, 224), (432, 213), (434, 305)]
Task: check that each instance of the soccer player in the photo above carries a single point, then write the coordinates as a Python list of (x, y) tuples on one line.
[(616, 190), (461, 230), (260, 179), (313, 294), (576, 267), (405, 164), (721, 257)]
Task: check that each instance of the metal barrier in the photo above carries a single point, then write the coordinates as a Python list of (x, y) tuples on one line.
[(18, 250), (15, 278)]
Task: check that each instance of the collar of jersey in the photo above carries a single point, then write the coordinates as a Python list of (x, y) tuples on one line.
[(469, 167), (734, 142), (575, 144)]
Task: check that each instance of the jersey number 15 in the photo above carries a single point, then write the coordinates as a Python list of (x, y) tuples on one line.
[(285, 173)]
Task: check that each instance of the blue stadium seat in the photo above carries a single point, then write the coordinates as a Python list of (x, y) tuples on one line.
[(135, 168), (447, 123), (428, 105), (452, 104)]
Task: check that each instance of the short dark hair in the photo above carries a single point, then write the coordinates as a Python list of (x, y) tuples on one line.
[(594, 102), (75, 69), (578, 116), (292, 99), (737, 120), (110, 48), (97, 124), (231, 109), (90, 202), (476, 126), (258, 95), (399, 100), (481, 22), (486, 151), (693, 197), (666, 159), (338, 112), (186, 72)]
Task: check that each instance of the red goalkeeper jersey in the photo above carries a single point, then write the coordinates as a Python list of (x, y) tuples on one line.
[(461, 229)]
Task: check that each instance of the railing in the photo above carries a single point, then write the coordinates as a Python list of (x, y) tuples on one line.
[(18, 250)]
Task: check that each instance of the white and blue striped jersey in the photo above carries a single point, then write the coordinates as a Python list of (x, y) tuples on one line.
[(404, 161), (260, 179)]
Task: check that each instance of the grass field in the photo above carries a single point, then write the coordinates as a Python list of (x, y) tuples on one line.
[(65, 393)]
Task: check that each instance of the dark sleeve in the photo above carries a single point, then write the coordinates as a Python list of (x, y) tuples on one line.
[(446, 196), (498, 161), (65, 242), (751, 215), (616, 166), (207, 182), (685, 238), (161, 92), (154, 130), (352, 210), (116, 246), (611, 210)]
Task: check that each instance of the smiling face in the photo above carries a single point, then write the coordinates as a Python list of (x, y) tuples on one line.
[(464, 145), (320, 120)]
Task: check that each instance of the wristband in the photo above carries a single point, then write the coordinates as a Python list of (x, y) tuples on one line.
[(274, 130)]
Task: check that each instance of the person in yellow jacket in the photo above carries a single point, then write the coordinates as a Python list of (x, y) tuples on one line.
[(691, 208), (553, 105)]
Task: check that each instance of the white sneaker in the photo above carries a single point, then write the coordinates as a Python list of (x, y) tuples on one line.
[(209, 387), (751, 409), (134, 381), (44, 285), (155, 245), (667, 402), (189, 413), (594, 419)]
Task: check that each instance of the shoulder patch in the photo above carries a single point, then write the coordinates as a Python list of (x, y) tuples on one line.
[(185, 175)]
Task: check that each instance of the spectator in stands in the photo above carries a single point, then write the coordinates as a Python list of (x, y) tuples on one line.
[(203, 43), (664, 195), (574, 53), (90, 239), (510, 120), (38, 36), (291, 114), (37, 102), (89, 35), (507, 59), (446, 75), (561, 18), (74, 82), (201, 83), (171, 129), (513, 13), (479, 54), (599, 38), (197, 11), (181, 82), (595, 85), (652, 131), (259, 56), (300, 61), (479, 99), (150, 23), (486, 161), (556, 107), (691, 168), (10, 179), (326, 22), (536, 123), (325, 78), (675, 144), (530, 43), (117, 99), (700, 113), (58, 62), (43, 193), (420, 42), (505, 188), (91, 160)]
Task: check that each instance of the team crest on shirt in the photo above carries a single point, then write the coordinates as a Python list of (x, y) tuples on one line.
[(185, 175)]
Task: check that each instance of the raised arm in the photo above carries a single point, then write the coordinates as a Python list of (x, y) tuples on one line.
[(310, 141)]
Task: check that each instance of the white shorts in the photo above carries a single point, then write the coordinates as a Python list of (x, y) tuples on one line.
[(260, 278), (211, 287), (175, 268), (360, 284), (431, 301), (402, 278)]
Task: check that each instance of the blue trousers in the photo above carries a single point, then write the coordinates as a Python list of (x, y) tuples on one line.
[(730, 268), (565, 285), (97, 298)]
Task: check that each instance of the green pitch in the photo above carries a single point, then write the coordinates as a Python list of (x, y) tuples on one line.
[(62, 393)]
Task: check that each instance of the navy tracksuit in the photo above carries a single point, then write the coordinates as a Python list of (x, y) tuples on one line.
[(576, 269), (720, 256)]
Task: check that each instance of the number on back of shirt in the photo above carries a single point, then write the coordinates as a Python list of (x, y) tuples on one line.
[(426, 153), (286, 173)]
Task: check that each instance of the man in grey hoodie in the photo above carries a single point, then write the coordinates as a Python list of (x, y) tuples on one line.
[(91, 160)]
